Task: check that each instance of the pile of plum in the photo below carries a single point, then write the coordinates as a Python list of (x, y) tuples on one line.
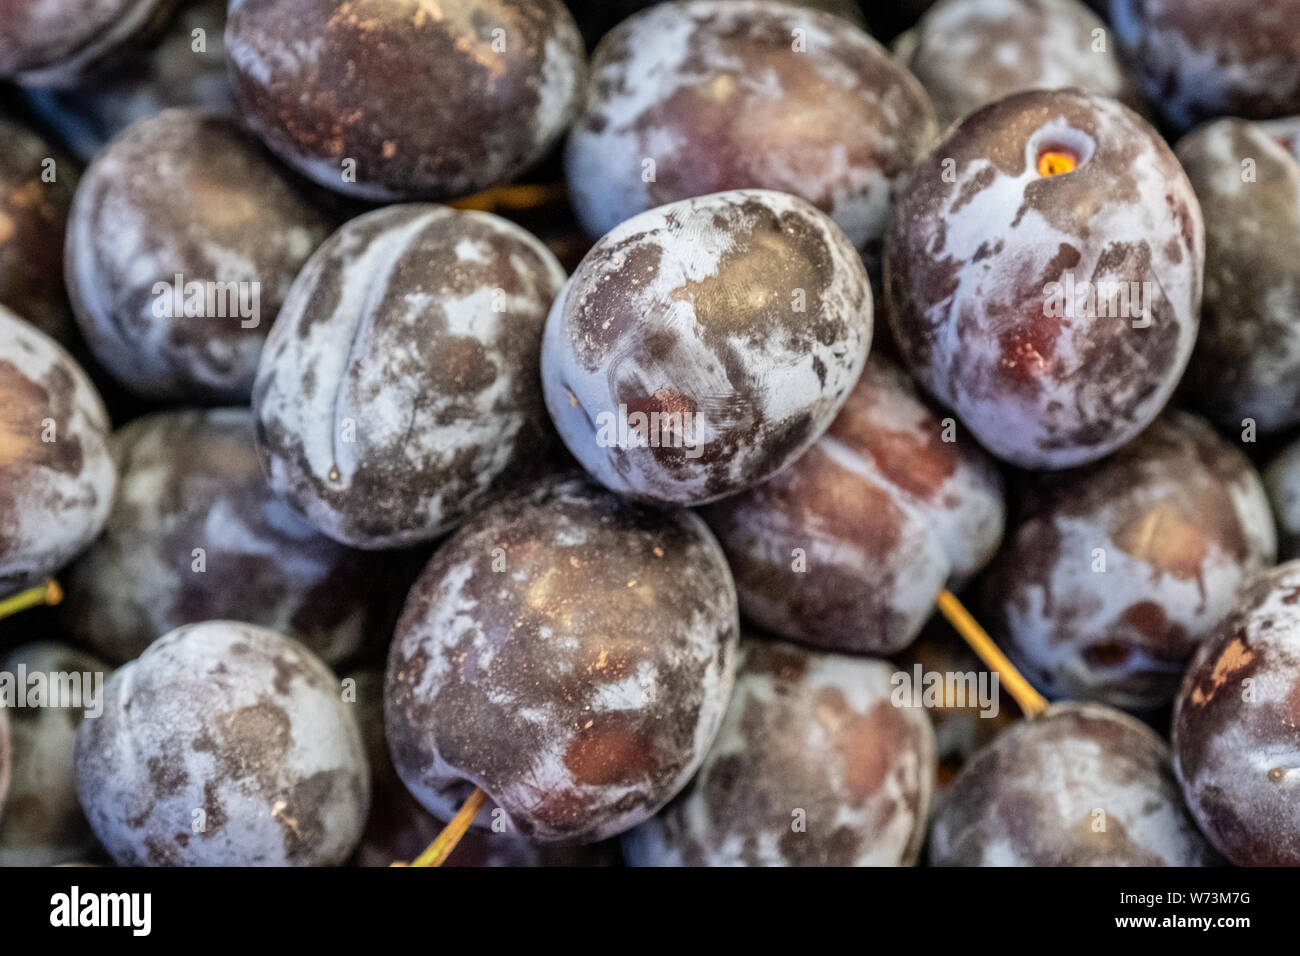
[(414, 406)]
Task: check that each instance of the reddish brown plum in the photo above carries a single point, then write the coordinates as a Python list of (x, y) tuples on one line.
[(687, 99), (224, 744), (1246, 364), (183, 239), (36, 186), (399, 829), (1043, 275), (1114, 573), (814, 766), (847, 548), (1196, 60), (56, 472), (1236, 726), (1081, 785), (398, 392), (42, 824), (393, 99), (196, 534), (570, 653), (58, 44), (701, 347), (968, 53)]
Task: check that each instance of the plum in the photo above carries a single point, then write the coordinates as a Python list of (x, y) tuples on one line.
[(814, 766), (195, 534), (402, 99), (687, 99), (1081, 785), (56, 472), (1043, 275), (224, 744), (398, 392), (847, 548), (1114, 573), (568, 652), (1236, 742), (58, 43), (701, 347)]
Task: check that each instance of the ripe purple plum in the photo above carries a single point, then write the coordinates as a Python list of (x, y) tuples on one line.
[(847, 548), (405, 99), (1236, 743), (568, 652), (224, 744), (398, 392), (195, 534), (687, 99), (814, 766), (56, 471), (701, 347), (1043, 275), (1080, 785), (1114, 573)]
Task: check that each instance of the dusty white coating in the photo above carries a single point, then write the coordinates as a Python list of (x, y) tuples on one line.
[(523, 653), (970, 52), (694, 273), (54, 496), (236, 721), (357, 347), (987, 234), (720, 820), (646, 70), (1081, 785)]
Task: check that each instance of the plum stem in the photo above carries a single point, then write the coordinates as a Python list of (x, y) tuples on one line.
[(437, 852), (48, 593), (1030, 701), (513, 197)]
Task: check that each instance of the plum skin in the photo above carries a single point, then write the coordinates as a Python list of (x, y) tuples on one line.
[(985, 248)]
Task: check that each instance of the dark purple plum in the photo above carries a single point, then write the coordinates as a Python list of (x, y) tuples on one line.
[(56, 472), (58, 43), (814, 766), (1043, 275), (399, 389), (183, 240), (847, 548), (1081, 785), (1236, 726), (402, 99), (687, 99), (1114, 573), (568, 652), (196, 534), (702, 346)]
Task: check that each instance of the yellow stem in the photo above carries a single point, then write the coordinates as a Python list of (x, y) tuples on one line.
[(1030, 701), (446, 841), (513, 197), (48, 593)]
